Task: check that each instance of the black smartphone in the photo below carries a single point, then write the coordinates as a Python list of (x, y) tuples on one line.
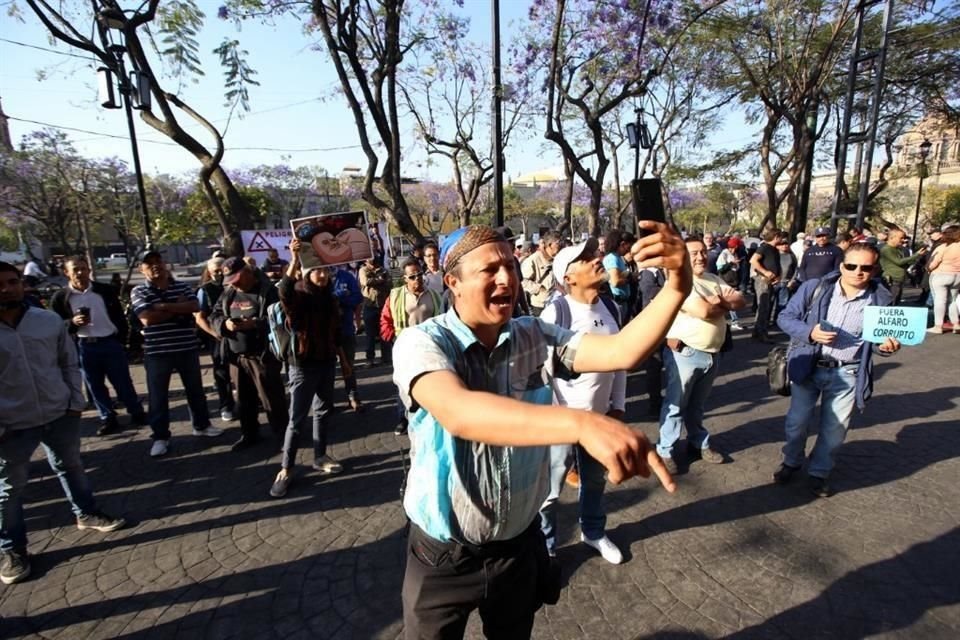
[(647, 202)]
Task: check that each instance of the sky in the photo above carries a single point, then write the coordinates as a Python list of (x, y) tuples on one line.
[(295, 117)]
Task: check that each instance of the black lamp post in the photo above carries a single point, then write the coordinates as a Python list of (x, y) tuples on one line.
[(922, 172), (135, 94), (638, 136)]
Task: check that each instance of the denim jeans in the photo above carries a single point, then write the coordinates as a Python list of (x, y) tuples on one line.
[(349, 344), (764, 294), (221, 378), (690, 374), (106, 358), (311, 386), (371, 326), (593, 519), (61, 439), (837, 391), (159, 368)]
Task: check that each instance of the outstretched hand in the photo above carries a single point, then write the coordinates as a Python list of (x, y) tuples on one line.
[(625, 452)]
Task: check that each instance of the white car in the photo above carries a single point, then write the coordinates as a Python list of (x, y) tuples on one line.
[(115, 260)]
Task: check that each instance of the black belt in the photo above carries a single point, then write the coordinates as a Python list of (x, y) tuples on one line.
[(112, 336), (827, 363)]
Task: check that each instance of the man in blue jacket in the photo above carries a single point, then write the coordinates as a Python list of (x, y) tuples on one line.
[(828, 358)]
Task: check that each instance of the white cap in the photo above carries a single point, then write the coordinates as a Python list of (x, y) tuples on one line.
[(568, 255)]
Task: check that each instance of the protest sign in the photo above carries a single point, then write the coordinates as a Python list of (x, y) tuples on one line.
[(333, 239), (906, 324), (257, 242)]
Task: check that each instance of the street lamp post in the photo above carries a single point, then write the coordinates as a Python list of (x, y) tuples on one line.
[(922, 172), (638, 137), (135, 94)]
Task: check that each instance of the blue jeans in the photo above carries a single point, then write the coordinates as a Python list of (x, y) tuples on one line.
[(311, 386), (690, 374), (837, 390), (61, 439), (349, 344), (106, 358), (593, 519), (159, 369), (371, 326)]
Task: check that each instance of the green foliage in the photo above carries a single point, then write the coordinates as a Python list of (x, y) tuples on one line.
[(178, 23), (238, 75)]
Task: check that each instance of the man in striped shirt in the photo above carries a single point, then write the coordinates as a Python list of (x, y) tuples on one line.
[(166, 308)]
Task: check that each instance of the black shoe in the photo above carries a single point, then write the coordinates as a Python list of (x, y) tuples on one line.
[(706, 454), (108, 426), (245, 442), (784, 474), (819, 487), (100, 521), (139, 420), (14, 566), (401, 428)]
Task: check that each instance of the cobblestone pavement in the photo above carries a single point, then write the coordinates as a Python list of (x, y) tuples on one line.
[(210, 555)]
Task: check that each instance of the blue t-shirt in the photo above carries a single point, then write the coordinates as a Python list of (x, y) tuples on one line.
[(616, 261)]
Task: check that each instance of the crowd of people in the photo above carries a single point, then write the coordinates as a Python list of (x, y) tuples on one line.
[(510, 372)]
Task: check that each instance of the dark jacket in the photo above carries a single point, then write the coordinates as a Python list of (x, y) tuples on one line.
[(795, 321), (60, 304), (314, 316), (221, 313)]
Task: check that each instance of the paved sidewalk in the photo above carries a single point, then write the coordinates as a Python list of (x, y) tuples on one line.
[(210, 555)]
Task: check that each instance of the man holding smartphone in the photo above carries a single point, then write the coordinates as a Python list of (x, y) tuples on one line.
[(830, 360)]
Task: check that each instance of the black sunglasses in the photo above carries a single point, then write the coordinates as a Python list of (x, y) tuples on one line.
[(864, 268), (414, 276)]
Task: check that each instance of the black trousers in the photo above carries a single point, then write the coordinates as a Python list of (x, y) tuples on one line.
[(445, 581), (259, 378)]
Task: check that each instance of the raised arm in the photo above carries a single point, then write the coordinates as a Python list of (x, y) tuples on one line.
[(637, 340)]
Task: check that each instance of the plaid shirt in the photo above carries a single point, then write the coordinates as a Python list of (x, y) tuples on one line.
[(469, 491)]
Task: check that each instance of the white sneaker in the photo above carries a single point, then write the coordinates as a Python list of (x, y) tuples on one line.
[(226, 415), (159, 448), (736, 326), (605, 546), (209, 432), (935, 329)]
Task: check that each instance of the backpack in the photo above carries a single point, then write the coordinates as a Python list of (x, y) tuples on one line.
[(281, 338), (562, 309)]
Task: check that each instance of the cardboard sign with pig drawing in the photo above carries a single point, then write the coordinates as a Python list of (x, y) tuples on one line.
[(332, 239)]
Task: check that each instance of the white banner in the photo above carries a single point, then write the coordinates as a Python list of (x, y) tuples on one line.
[(257, 243)]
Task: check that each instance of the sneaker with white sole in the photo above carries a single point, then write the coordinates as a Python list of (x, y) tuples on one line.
[(609, 551), (100, 521), (327, 466), (14, 566), (159, 448), (226, 415), (279, 487), (209, 432)]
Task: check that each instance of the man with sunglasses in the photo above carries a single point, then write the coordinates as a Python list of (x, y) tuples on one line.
[(828, 359), (409, 304)]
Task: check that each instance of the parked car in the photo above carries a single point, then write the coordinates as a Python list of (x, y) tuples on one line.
[(115, 260)]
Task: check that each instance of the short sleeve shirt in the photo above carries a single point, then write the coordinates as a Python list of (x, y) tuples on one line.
[(174, 335), (469, 491), (616, 261)]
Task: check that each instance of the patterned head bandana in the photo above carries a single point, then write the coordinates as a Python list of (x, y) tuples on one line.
[(463, 241)]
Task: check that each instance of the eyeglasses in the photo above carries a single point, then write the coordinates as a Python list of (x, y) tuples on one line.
[(863, 268), (414, 276)]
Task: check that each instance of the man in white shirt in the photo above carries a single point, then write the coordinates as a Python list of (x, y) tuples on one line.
[(691, 357), (579, 271), (799, 246)]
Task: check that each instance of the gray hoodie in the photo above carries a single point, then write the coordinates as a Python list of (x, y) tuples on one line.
[(39, 372)]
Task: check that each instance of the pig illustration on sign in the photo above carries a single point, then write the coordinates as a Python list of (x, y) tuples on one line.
[(333, 239)]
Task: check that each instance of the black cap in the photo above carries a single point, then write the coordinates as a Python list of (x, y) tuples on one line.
[(506, 232), (150, 253), (231, 269)]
